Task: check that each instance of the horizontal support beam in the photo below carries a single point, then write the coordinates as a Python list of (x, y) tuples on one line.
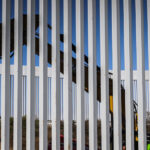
[(49, 73)]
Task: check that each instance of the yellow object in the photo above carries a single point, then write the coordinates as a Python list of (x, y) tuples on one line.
[(111, 103), (136, 125), (135, 116)]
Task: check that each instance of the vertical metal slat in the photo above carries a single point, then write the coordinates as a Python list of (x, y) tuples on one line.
[(141, 75), (80, 74), (117, 126), (43, 75), (55, 75), (67, 85), (128, 76), (30, 80), (92, 74), (5, 78), (104, 74), (17, 145)]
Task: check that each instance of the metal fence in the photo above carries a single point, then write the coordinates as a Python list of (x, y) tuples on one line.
[(74, 98), (51, 98)]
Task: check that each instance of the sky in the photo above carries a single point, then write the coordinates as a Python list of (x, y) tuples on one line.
[(86, 30)]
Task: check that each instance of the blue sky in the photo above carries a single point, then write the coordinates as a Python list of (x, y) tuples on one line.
[(86, 30)]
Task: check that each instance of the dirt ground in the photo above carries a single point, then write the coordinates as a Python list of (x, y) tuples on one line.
[(61, 131), (49, 133)]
